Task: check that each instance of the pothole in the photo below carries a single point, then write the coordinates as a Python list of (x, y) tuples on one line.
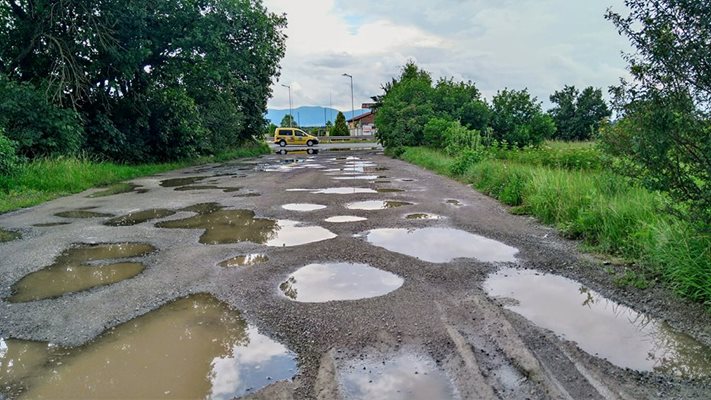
[(423, 216), (389, 190), (51, 224), (356, 177), (343, 190), (195, 347), (453, 202), (440, 245), (303, 207), (7, 235), (76, 270), (403, 376), (138, 217), (234, 226), (345, 218), (82, 214), (175, 182), (376, 204), (206, 187), (245, 260), (118, 188), (250, 194), (600, 326), (318, 283)]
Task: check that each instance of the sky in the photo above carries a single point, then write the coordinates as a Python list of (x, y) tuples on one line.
[(541, 45)]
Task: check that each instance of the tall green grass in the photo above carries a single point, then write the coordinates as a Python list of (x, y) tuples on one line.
[(45, 179), (608, 213)]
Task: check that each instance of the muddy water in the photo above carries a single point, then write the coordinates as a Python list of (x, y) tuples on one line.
[(389, 190), (6, 235), (139, 217), (422, 216), (440, 245), (252, 194), (82, 214), (345, 218), (454, 202), (74, 271), (50, 224), (116, 189), (196, 347), (356, 177), (599, 326), (245, 260), (343, 190), (376, 204), (402, 377), (175, 182), (234, 226), (303, 207), (318, 283)]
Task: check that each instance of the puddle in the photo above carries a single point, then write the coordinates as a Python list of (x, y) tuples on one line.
[(318, 283), (76, 270), (82, 214), (234, 226), (300, 151), (245, 260), (251, 194), (376, 204), (422, 216), (401, 377), (440, 245), (50, 224), (303, 207), (6, 236), (116, 189), (203, 208), (142, 191), (356, 177), (343, 190), (453, 202), (206, 187), (389, 190), (139, 217), (345, 218), (599, 326), (175, 182), (196, 348)]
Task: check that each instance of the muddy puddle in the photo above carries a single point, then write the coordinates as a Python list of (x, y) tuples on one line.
[(303, 207), (206, 187), (196, 347), (401, 377), (80, 268), (82, 214), (245, 260), (7, 235), (345, 218), (441, 245), (376, 204), (343, 190), (421, 216), (234, 226), (356, 177), (115, 189), (318, 283), (175, 182), (250, 194), (389, 190), (600, 326), (453, 202), (51, 224), (138, 217)]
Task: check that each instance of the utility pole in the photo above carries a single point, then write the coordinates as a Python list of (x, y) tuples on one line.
[(352, 104), (291, 116)]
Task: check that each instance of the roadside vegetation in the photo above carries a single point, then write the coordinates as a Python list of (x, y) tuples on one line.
[(636, 187)]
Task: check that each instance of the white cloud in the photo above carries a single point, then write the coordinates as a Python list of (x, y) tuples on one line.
[(539, 44)]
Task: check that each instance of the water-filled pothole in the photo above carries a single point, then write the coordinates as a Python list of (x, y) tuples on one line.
[(75, 270), (245, 260), (422, 216), (51, 224), (138, 217), (175, 182), (6, 235), (82, 214), (206, 187), (440, 245), (389, 190), (343, 190), (401, 377), (234, 226), (345, 218), (453, 202), (196, 347), (118, 188), (303, 207), (318, 283), (250, 194), (356, 177), (599, 326), (376, 204)]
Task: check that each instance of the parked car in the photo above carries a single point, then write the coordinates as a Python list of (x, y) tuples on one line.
[(293, 136)]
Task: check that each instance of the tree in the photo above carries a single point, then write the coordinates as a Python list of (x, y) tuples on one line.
[(340, 128), (288, 121), (577, 116), (461, 101), (517, 119), (664, 136)]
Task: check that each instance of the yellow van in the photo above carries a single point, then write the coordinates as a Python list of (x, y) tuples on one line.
[(294, 136)]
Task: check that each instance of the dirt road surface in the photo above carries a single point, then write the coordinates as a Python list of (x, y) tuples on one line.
[(409, 315)]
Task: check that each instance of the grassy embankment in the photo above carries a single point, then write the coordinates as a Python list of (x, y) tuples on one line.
[(47, 179), (566, 185)]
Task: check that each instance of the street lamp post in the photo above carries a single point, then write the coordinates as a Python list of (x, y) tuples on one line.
[(291, 117), (352, 104)]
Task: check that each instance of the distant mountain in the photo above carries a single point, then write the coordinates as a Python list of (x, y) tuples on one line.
[(310, 115)]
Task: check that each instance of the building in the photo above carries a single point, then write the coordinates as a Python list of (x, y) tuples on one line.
[(364, 124)]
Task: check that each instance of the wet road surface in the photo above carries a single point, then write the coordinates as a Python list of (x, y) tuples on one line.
[(342, 274)]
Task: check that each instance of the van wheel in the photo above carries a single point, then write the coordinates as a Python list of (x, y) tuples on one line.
[(310, 143), (282, 143)]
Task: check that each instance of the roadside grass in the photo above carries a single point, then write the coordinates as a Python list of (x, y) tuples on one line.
[(46, 179), (609, 214)]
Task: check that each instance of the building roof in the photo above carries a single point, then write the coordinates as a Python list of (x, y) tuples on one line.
[(359, 117)]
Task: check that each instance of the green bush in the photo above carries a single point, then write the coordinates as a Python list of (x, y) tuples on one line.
[(517, 119), (434, 132), (8, 155), (458, 138)]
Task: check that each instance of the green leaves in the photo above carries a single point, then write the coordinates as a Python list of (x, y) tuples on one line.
[(340, 128), (578, 115)]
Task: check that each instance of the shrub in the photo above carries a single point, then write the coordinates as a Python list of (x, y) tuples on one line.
[(517, 119), (435, 132), (458, 138), (8, 155)]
